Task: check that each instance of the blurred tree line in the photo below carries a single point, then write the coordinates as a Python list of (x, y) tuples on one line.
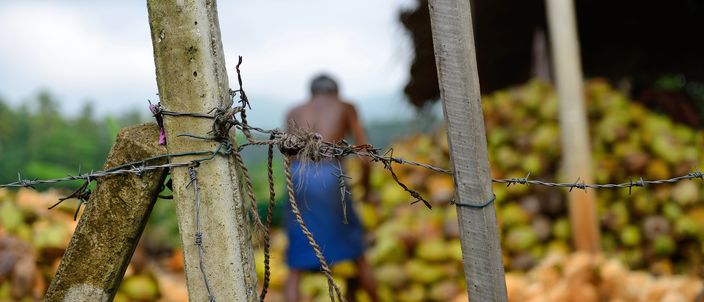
[(37, 141)]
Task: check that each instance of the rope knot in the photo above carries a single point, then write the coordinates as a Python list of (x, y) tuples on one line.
[(306, 145), (224, 120)]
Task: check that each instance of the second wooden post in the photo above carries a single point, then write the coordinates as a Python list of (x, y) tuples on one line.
[(453, 39)]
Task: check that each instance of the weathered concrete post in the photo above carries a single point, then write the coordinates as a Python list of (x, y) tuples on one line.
[(191, 75), (111, 224), (453, 39)]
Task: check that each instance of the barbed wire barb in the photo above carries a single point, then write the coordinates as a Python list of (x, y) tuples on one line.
[(341, 182)]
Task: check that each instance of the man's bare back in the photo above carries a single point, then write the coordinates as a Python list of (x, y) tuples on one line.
[(334, 119), (330, 116)]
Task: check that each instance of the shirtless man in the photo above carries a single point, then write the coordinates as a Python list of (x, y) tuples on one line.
[(319, 193)]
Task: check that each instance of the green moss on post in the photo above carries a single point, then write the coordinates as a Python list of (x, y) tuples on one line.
[(112, 223)]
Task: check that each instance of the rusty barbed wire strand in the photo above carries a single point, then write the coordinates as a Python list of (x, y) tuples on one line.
[(340, 149), (333, 289), (244, 101), (332, 150), (82, 194), (135, 167), (335, 150), (243, 96), (192, 173), (417, 196), (584, 186)]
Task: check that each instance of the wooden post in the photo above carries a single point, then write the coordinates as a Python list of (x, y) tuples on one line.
[(453, 39), (191, 75), (576, 151), (111, 224)]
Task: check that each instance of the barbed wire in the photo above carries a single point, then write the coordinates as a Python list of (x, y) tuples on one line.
[(296, 142), (139, 168), (198, 236), (584, 186), (136, 167)]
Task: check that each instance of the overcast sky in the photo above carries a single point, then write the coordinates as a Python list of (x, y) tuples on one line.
[(101, 51)]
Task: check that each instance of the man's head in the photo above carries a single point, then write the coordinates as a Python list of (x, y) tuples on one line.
[(323, 84)]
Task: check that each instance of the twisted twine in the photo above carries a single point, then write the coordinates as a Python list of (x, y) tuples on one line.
[(250, 191), (333, 289), (269, 216)]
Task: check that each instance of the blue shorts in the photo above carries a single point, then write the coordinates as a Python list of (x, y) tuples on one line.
[(319, 199)]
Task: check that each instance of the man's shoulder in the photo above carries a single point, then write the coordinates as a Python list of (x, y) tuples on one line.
[(296, 108), (347, 105)]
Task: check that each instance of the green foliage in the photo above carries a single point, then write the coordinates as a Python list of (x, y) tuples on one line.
[(38, 142)]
